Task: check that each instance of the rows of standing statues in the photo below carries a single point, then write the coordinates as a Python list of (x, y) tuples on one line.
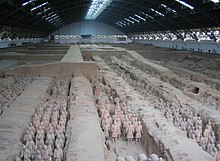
[(187, 121), (9, 91), (119, 122), (44, 138)]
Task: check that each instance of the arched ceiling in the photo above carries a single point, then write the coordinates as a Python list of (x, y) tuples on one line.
[(29, 21)]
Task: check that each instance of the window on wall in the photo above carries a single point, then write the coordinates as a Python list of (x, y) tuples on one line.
[(122, 38), (86, 36)]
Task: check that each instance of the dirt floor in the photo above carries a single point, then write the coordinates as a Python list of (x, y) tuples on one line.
[(27, 55)]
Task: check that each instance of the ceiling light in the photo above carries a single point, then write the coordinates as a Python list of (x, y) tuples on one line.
[(96, 8), (39, 6), (157, 12), (139, 17), (28, 2), (121, 23), (215, 1), (185, 4), (168, 8), (129, 20), (147, 15), (118, 24), (133, 19)]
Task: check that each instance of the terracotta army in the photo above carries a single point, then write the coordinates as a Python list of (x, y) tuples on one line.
[(103, 113), (211, 137), (199, 122), (117, 100), (59, 141), (40, 131), (30, 144), (210, 147), (189, 126), (97, 89), (50, 129), (198, 134), (114, 131), (177, 120), (170, 117), (40, 143), (215, 154), (39, 140), (202, 143), (62, 121), (108, 120), (36, 121), (58, 154), (44, 122), (27, 136), (31, 129), (118, 123), (125, 126), (50, 150), (130, 132), (54, 122), (104, 117), (125, 109), (193, 137), (209, 126), (36, 155), (138, 131), (50, 140), (59, 129), (106, 128), (183, 125), (25, 153), (46, 156)]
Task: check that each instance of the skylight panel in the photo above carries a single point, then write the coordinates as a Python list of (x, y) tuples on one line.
[(129, 20), (51, 13), (55, 18), (159, 13), (47, 9), (125, 22), (39, 6), (39, 13), (44, 16), (134, 19), (185, 4), (215, 1), (47, 18), (96, 8), (121, 23), (139, 17), (28, 2), (168, 8), (52, 18), (118, 24), (147, 15)]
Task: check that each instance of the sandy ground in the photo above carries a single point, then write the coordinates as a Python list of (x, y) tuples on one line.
[(7, 63), (121, 148)]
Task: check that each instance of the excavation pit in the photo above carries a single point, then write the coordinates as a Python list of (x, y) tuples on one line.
[(155, 101)]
